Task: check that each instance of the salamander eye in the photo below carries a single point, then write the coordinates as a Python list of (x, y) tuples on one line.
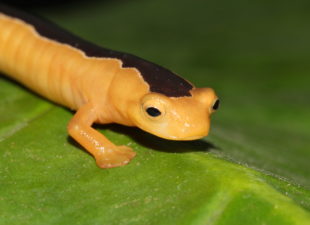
[(152, 111), (216, 105)]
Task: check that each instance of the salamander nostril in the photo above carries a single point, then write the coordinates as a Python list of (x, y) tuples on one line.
[(216, 105)]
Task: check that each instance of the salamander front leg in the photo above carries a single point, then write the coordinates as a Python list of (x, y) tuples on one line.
[(107, 154)]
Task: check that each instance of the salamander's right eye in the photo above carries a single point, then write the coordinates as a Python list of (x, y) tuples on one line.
[(152, 111), (154, 107)]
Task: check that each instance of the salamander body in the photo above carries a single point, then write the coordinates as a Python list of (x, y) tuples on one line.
[(102, 85)]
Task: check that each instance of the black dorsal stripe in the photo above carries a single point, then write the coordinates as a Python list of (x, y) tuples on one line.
[(158, 78)]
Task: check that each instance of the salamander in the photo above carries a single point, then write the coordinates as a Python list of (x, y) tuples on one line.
[(103, 86)]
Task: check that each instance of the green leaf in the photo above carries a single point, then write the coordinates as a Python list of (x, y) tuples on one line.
[(252, 169)]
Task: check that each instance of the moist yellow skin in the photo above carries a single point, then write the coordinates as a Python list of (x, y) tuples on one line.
[(100, 90)]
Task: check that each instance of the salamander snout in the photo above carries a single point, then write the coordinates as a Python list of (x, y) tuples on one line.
[(182, 118)]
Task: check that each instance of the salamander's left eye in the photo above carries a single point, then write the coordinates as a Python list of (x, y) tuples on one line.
[(216, 105), (152, 111)]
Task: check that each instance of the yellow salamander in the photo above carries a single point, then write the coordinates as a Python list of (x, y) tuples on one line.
[(102, 85)]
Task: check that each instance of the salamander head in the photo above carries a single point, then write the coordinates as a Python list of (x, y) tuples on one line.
[(176, 118)]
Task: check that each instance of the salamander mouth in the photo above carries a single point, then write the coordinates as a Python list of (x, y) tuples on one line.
[(190, 138)]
